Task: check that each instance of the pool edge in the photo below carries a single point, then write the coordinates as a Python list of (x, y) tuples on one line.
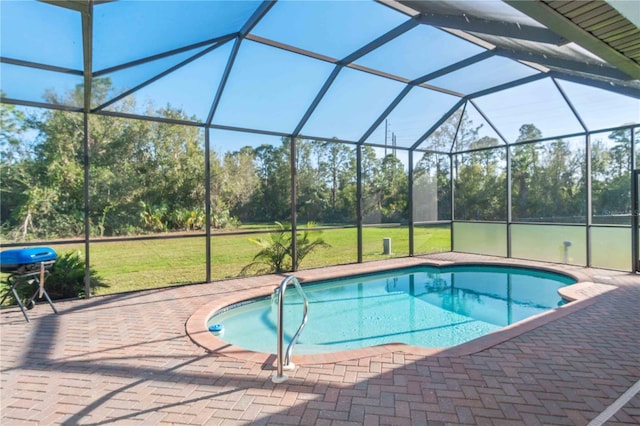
[(581, 295)]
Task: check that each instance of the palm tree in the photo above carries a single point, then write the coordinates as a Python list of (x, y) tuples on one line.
[(276, 249)]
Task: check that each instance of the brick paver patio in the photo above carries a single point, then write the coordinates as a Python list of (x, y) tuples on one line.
[(127, 359)]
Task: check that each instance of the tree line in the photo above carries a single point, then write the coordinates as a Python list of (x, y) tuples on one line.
[(149, 176)]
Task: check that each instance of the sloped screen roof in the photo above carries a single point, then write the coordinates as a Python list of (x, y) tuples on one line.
[(345, 70)]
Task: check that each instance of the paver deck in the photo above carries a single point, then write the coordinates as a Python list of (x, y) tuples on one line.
[(127, 359)]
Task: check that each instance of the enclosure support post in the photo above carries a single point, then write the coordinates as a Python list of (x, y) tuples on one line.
[(509, 202), (207, 201), (635, 221), (588, 209), (87, 230), (87, 55), (294, 202), (635, 206), (359, 203), (451, 198), (411, 242)]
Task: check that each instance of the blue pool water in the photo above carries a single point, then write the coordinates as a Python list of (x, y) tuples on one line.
[(422, 306)]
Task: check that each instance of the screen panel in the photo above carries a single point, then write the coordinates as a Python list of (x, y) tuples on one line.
[(551, 243), (480, 238), (611, 248)]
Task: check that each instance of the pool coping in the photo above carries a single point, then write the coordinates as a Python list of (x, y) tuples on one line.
[(580, 295)]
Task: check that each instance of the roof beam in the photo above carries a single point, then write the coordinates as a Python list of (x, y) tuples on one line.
[(224, 79), (455, 135), (418, 82), (221, 39), (488, 121), (565, 27), (290, 48), (157, 77), (37, 65), (259, 13), (621, 89), (323, 91), (334, 61), (504, 86), (390, 35), (45, 105), (456, 66), (437, 124), (77, 5), (384, 115), (567, 100)]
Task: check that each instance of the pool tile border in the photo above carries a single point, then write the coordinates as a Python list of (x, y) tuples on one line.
[(582, 294)]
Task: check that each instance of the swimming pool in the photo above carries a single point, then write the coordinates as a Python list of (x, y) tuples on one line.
[(423, 306)]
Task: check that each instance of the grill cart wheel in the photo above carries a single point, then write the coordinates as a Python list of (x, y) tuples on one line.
[(30, 304)]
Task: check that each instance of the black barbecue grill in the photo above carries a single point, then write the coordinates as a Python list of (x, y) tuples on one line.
[(29, 266)]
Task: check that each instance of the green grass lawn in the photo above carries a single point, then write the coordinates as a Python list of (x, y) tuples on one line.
[(144, 264)]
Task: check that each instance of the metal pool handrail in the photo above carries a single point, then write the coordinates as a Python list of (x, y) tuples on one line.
[(286, 363)]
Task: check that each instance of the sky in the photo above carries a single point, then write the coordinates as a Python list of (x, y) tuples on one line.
[(271, 89)]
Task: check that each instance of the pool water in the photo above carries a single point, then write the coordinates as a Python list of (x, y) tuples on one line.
[(422, 306)]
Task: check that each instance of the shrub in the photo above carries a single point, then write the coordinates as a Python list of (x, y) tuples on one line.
[(275, 256), (223, 219), (65, 280), (187, 220)]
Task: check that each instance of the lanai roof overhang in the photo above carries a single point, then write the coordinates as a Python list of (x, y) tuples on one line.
[(590, 43)]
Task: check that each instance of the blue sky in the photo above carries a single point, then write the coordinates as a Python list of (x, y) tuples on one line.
[(270, 89)]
